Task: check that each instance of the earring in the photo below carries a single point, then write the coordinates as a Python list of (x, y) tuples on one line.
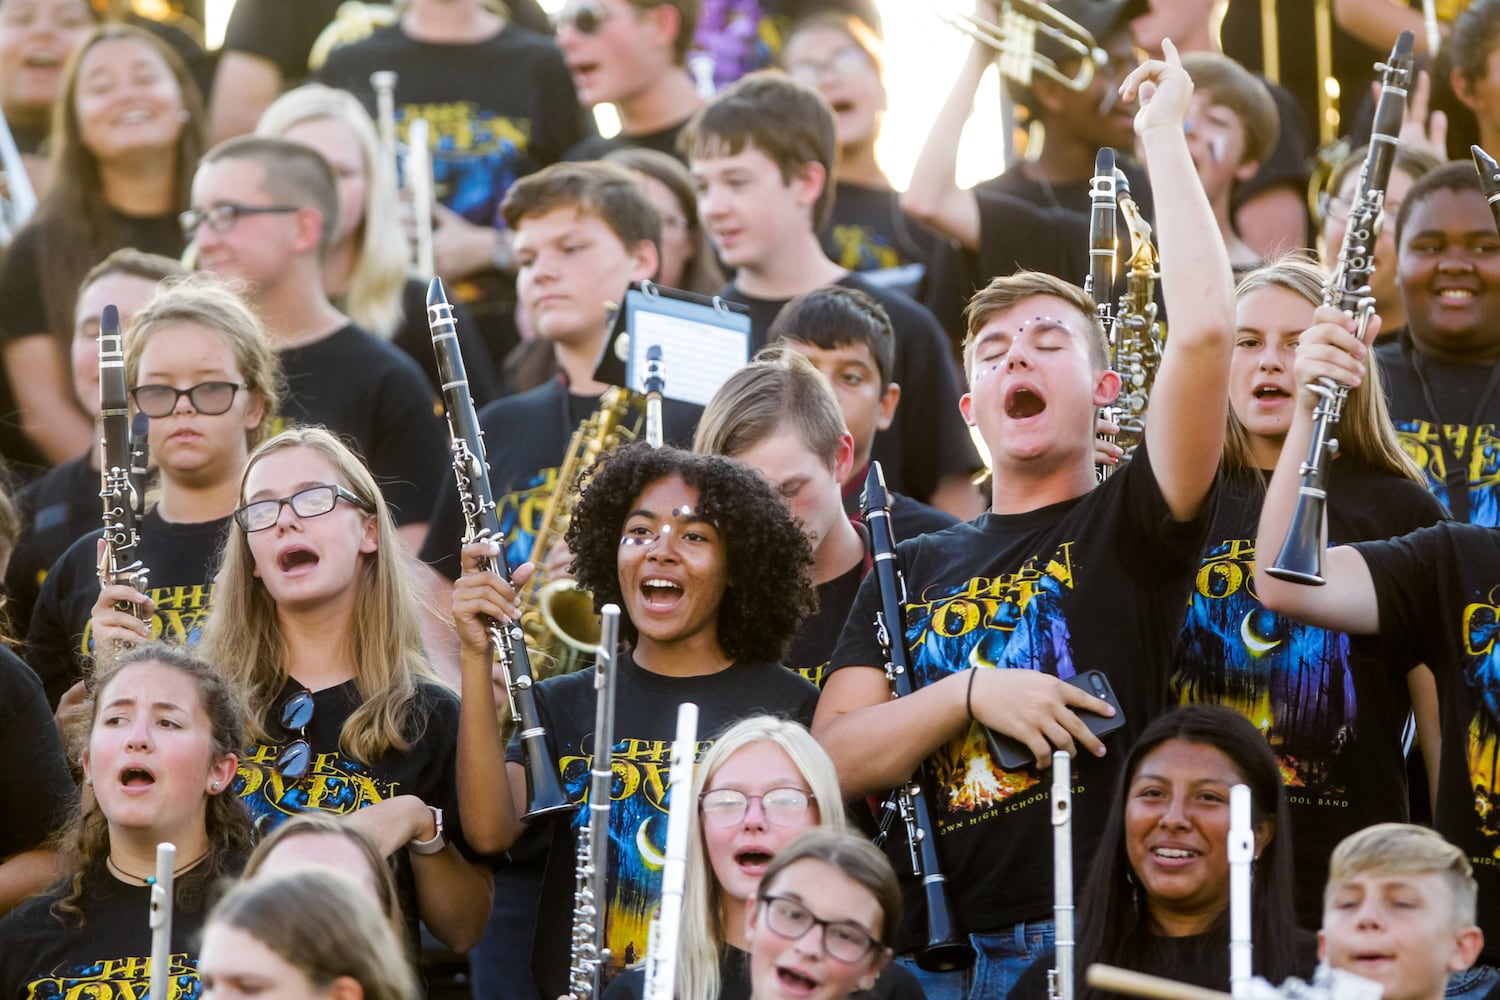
[(216, 786), (88, 780)]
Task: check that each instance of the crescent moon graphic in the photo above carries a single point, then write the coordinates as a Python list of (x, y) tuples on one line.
[(653, 858), (1254, 643)]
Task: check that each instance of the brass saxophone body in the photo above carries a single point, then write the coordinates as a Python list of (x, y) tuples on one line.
[(557, 618), (1138, 334)]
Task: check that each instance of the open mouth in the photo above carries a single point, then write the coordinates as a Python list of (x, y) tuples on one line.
[(1271, 392), (1024, 403), (1175, 853), (137, 777), (795, 981), (1456, 294), (753, 860), (841, 106), (294, 559), (660, 593), (43, 60)]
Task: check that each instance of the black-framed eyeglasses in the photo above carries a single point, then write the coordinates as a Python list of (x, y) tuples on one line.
[(222, 217), (843, 940), (296, 756), (728, 806), (311, 502), (208, 398)]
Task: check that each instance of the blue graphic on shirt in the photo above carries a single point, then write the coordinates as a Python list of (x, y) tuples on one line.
[(1423, 441)]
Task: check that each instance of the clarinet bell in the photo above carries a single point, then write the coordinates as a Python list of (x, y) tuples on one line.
[(544, 791), (1301, 556), (945, 956)]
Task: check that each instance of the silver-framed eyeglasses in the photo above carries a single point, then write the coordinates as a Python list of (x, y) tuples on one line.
[(728, 806), (848, 942), (258, 515)]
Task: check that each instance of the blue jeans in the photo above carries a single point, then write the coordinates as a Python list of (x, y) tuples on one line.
[(1002, 957), (1473, 983)]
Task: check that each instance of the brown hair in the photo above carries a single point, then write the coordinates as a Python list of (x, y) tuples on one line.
[(1002, 293), (786, 120), (1228, 84), (76, 226), (778, 388), (133, 263), (295, 174), (857, 858), (605, 190), (703, 273)]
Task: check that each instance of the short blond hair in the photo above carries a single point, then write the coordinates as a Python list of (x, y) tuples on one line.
[(1002, 293), (1404, 849)]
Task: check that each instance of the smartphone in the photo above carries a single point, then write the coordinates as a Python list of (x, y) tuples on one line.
[(1013, 755)]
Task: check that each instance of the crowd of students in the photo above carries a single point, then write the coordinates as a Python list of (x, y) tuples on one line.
[(302, 693)]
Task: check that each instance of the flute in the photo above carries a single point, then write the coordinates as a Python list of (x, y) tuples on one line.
[(1241, 858), (589, 950), (161, 920), (384, 83), (661, 946), (1060, 978), (419, 166), (655, 383)]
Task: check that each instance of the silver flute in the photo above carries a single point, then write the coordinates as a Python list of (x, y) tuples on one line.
[(1060, 978), (589, 950), (1241, 859), (161, 921), (661, 947)]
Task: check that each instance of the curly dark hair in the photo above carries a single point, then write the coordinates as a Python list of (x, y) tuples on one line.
[(768, 556)]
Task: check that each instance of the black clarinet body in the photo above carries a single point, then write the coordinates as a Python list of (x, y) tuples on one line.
[(1301, 557), (1489, 180), (481, 522), (946, 949), (120, 491)]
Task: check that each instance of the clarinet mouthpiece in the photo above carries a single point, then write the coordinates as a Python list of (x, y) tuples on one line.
[(875, 496), (436, 294)]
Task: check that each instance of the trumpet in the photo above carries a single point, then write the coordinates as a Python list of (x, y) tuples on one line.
[(1014, 39), (544, 788)]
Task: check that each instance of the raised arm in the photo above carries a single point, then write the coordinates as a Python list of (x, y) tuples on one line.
[(934, 197), (1187, 413), (491, 792), (1347, 602)]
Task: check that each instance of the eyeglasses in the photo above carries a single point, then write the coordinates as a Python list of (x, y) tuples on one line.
[(728, 806), (586, 18), (296, 713), (221, 218), (1337, 209), (208, 398), (844, 63), (311, 502), (845, 941)]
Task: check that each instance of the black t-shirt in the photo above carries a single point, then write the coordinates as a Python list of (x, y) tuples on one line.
[(25, 312), (526, 440), (927, 440), (414, 337), (1097, 582), (1468, 409), (284, 33), (644, 726), (1287, 162), (1439, 597), (1332, 706), (594, 147), (818, 634), (108, 956), (895, 982), (869, 233), (56, 509), (36, 790), (909, 518), (497, 110), (181, 559), (389, 412)]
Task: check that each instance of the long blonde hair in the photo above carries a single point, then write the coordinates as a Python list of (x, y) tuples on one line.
[(373, 297), (702, 904), (244, 635), (1365, 431)]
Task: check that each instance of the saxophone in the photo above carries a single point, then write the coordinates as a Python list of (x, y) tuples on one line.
[(1138, 338), (557, 617)]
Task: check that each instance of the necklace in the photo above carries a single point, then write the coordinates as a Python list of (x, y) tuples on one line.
[(134, 879)]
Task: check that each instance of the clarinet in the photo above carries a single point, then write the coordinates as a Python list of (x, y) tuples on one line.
[(1489, 180), (1101, 280), (944, 951), (118, 488), (1301, 556), (589, 951), (1241, 859), (1060, 976), (160, 921), (661, 946), (544, 793)]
